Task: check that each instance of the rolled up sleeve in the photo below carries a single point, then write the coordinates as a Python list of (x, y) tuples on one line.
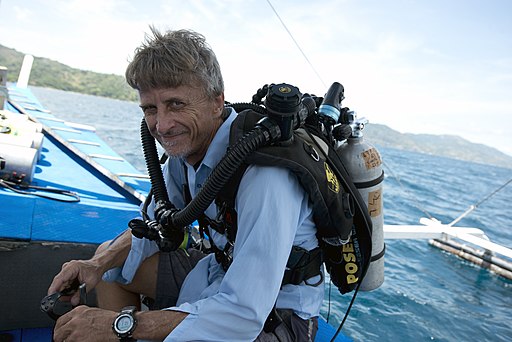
[(140, 250)]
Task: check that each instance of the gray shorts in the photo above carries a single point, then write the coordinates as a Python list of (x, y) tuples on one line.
[(174, 267)]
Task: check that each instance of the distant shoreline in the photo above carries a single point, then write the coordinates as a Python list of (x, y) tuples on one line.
[(47, 73)]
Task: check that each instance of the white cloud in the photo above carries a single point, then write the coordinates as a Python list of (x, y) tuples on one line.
[(22, 14), (400, 66)]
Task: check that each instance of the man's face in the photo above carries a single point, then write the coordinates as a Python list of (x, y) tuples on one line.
[(183, 119)]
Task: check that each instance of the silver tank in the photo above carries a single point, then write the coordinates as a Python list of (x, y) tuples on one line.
[(364, 164)]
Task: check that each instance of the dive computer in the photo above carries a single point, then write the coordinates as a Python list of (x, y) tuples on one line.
[(125, 324)]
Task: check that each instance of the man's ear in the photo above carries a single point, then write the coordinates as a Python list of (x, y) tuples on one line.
[(219, 103)]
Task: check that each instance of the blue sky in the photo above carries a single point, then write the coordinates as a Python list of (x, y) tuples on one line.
[(430, 66)]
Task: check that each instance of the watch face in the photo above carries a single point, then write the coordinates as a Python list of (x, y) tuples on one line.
[(124, 323)]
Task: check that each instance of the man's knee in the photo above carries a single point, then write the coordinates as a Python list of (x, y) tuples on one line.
[(145, 278)]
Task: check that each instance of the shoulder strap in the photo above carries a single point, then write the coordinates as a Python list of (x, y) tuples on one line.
[(306, 158), (302, 264), (225, 202)]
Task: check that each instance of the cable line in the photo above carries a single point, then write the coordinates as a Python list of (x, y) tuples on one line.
[(417, 204), (62, 195), (474, 206), (296, 43)]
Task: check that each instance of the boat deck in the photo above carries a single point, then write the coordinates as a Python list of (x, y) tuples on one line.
[(37, 235), (66, 164)]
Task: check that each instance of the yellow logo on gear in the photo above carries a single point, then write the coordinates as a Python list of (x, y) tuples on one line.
[(333, 183), (285, 90)]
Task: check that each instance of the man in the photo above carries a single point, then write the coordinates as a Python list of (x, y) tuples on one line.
[(182, 96)]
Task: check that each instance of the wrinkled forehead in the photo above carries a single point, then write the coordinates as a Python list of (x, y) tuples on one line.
[(184, 93), (190, 88)]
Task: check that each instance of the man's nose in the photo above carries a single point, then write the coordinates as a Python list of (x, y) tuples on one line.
[(164, 122)]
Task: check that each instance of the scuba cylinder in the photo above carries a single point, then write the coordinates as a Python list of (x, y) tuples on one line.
[(19, 162), (17, 129), (364, 164), (20, 146)]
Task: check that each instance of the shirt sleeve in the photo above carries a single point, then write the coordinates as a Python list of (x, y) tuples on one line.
[(270, 205), (140, 250)]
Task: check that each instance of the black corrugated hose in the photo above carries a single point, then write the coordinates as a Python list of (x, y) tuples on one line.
[(236, 155), (152, 163), (221, 175)]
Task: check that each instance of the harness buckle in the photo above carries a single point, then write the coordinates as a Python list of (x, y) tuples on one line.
[(225, 257), (303, 265)]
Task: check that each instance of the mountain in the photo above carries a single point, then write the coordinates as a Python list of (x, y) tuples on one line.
[(450, 146), (52, 74)]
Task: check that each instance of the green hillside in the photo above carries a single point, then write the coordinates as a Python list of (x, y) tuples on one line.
[(52, 74), (450, 146)]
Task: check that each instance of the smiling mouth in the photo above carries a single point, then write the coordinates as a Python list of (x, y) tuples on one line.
[(172, 135), (171, 140)]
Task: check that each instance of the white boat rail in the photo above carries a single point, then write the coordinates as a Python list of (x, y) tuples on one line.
[(444, 236), (433, 229)]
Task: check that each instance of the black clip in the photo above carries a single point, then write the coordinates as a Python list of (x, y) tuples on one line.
[(55, 308)]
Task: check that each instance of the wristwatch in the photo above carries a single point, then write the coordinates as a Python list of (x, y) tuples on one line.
[(125, 324)]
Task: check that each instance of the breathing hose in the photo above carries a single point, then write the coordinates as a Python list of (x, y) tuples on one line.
[(222, 174), (286, 111), (171, 221), (265, 132), (153, 165)]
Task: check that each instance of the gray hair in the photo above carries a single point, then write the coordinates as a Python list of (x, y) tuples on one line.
[(173, 59)]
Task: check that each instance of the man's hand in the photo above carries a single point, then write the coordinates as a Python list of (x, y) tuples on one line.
[(109, 255), (92, 324), (86, 271), (85, 324)]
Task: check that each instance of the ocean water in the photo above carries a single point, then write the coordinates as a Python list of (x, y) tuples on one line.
[(428, 295)]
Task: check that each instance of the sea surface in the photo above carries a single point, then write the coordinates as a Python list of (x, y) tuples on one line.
[(428, 294)]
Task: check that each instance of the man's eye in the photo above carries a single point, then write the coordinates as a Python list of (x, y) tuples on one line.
[(149, 110), (176, 104)]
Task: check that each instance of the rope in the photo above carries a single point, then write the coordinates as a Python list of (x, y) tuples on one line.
[(414, 199), (493, 193), (474, 206), (296, 44), (467, 212)]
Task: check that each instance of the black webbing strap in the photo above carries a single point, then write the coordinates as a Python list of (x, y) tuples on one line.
[(303, 265)]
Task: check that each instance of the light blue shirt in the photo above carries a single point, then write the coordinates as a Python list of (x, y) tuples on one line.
[(274, 214)]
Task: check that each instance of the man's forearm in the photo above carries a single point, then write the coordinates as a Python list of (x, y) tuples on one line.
[(156, 325), (116, 253)]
